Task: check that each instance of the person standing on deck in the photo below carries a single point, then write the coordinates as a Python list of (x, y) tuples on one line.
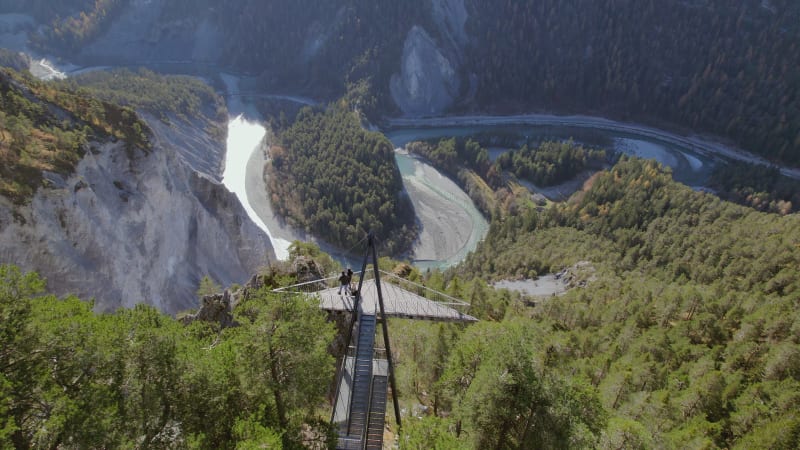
[(344, 283), (349, 288)]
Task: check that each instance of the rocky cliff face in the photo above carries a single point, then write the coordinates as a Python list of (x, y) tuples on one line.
[(197, 142), (450, 17), (428, 82), (129, 227)]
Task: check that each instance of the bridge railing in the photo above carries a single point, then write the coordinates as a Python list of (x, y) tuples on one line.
[(424, 291), (318, 285), (310, 287)]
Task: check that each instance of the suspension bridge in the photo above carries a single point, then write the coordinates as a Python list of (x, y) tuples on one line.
[(365, 373)]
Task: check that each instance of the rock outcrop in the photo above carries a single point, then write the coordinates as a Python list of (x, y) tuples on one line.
[(215, 308), (133, 227), (428, 82), (189, 140), (430, 78), (218, 308), (307, 269)]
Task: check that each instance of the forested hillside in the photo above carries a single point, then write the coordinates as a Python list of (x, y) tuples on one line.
[(761, 187), (140, 379), (326, 44), (685, 333), (47, 128), (551, 162), (730, 68), (330, 176), (680, 331), (680, 328), (13, 60), (185, 97), (72, 23)]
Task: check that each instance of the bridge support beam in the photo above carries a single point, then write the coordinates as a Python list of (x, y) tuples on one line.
[(385, 327)]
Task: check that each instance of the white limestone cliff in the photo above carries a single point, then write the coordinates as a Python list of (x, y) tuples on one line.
[(430, 78), (428, 82), (133, 227)]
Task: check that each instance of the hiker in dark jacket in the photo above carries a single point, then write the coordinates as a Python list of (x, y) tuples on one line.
[(349, 282), (344, 283)]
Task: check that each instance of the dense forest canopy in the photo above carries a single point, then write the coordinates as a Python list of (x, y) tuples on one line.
[(340, 181), (680, 331), (551, 162), (720, 67), (13, 60), (711, 288), (70, 377), (450, 155), (761, 187), (320, 45), (71, 23), (688, 317), (730, 68)]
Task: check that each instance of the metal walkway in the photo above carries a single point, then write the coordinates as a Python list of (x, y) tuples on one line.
[(399, 302), (364, 378), (377, 412), (402, 298), (361, 404)]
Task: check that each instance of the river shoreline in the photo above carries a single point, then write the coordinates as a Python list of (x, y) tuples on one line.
[(445, 237), (13, 35), (697, 143), (451, 225), (449, 228)]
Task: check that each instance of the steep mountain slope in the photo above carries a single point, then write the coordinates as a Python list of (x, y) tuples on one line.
[(138, 378), (190, 114), (128, 223), (728, 69)]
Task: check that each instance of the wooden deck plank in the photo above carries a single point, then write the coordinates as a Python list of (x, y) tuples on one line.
[(398, 302)]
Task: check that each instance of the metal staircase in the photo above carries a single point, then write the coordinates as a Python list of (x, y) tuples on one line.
[(377, 413), (366, 375), (362, 377), (367, 390)]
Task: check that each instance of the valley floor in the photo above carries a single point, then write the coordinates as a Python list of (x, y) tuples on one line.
[(446, 231)]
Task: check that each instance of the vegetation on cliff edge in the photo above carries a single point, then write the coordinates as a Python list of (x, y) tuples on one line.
[(686, 332), (47, 128), (161, 95)]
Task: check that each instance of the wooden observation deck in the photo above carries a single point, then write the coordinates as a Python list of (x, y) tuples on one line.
[(366, 373)]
